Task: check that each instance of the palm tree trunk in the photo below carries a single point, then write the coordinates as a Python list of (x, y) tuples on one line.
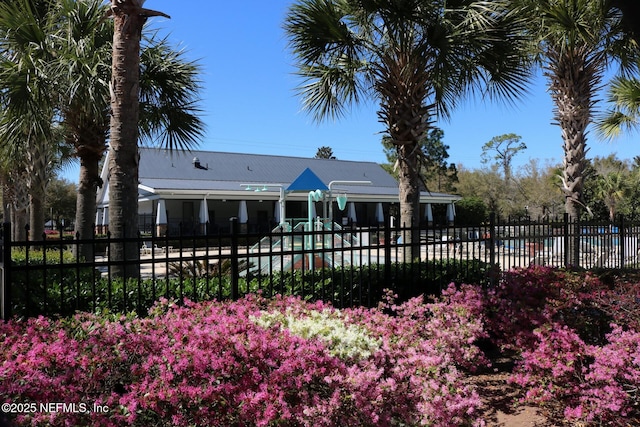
[(37, 160), (572, 78), (15, 201), (19, 204), (409, 193), (88, 183), (123, 153), (405, 116)]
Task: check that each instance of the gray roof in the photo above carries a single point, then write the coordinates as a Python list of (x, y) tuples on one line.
[(161, 172), (162, 169)]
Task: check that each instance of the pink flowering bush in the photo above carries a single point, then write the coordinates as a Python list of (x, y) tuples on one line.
[(528, 298), (286, 362), (456, 322), (612, 380), (592, 383), (567, 359), (218, 364), (553, 370)]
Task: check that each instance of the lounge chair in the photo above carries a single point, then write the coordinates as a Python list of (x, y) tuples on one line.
[(148, 248)]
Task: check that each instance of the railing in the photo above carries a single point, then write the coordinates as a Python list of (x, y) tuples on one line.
[(345, 266)]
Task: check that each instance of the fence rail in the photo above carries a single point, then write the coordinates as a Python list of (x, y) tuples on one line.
[(344, 266)]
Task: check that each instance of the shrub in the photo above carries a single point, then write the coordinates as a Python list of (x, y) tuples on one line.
[(52, 284), (60, 286), (569, 357), (528, 298), (588, 383), (213, 364)]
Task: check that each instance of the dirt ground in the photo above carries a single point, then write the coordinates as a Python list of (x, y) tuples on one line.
[(501, 400)]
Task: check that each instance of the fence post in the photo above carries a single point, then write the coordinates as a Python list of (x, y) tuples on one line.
[(5, 284), (565, 236), (235, 262), (621, 241), (492, 239), (387, 250)]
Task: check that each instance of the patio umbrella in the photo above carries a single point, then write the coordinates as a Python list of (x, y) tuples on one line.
[(105, 217), (429, 214), (276, 212), (451, 212), (204, 212), (243, 217), (352, 212), (379, 213), (161, 215)]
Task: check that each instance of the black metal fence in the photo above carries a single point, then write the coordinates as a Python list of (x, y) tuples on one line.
[(344, 266)]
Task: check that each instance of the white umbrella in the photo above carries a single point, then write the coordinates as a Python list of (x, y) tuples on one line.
[(276, 212), (161, 215), (379, 213), (98, 217), (451, 212), (352, 212), (243, 217), (204, 212), (105, 217), (429, 213)]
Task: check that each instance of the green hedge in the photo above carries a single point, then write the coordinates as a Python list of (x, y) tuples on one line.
[(56, 286), (70, 289)]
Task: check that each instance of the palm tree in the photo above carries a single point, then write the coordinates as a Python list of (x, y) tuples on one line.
[(83, 68), (612, 188), (416, 58), (129, 18), (27, 128), (577, 40), (168, 88)]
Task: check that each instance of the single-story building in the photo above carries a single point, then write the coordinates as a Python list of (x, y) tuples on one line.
[(199, 191)]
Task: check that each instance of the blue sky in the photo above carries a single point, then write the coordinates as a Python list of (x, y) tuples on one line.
[(250, 104)]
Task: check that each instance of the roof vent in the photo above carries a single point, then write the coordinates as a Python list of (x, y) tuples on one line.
[(198, 165)]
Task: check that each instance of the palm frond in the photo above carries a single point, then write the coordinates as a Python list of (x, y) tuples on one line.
[(624, 94), (169, 101), (329, 91), (331, 51)]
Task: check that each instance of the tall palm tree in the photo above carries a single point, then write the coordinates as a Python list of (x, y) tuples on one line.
[(577, 41), (83, 68), (416, 58), (27, 127), (129, 19), (168, 89)]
